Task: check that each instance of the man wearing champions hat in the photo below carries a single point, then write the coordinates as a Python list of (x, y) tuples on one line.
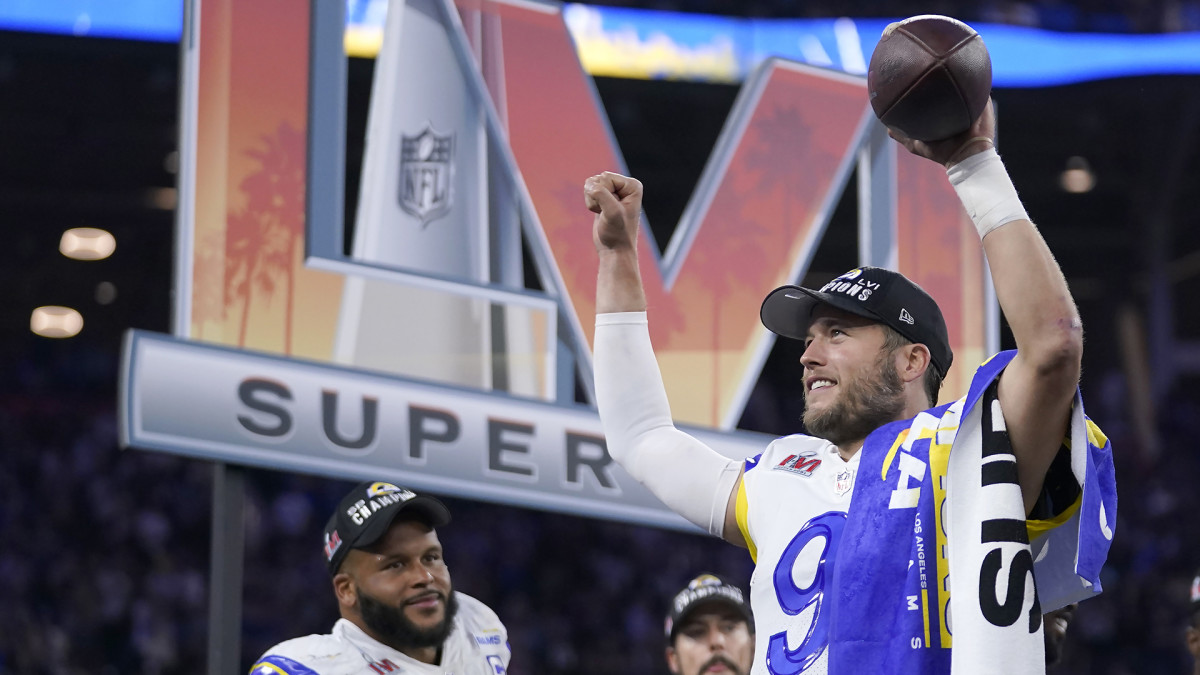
[(897, 536), (710, 629), (399, 611)]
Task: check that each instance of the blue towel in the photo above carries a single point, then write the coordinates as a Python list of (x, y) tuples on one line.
[(888, 612)]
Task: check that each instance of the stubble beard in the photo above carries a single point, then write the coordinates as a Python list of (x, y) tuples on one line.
[(867, 402), (733, 667), (398, 631)]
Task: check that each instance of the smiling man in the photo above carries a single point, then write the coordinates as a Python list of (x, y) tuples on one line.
[(710, 629), (897, 535), (399, 610)]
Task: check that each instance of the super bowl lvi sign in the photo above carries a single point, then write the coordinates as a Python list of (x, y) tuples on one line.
[(416, 357), (423, 207)]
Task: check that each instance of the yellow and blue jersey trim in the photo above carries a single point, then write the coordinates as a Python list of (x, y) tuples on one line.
[(278, 665), (742, 508), (1038, 527)]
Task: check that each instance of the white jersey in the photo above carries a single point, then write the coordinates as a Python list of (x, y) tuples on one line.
[(478, 645), (791, 505)]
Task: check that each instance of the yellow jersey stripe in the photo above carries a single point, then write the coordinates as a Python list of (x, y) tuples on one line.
[(743, 519), (1037, 528)]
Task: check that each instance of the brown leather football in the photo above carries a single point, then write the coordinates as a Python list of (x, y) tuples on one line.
[(930, 77)]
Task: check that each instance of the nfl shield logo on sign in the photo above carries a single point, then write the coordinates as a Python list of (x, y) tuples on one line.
[(426, 169)]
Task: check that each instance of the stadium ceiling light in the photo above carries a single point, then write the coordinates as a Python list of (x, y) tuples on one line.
[(162, 198), (106, 292), (53, 321), (1078, 177), (87, 243)]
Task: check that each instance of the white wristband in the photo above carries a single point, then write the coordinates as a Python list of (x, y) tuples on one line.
[(986, 191)]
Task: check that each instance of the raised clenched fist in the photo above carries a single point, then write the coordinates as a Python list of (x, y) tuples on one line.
[(617, 202)]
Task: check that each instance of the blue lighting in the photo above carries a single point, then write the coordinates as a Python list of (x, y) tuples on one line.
[(1021, 57), (151, 20)]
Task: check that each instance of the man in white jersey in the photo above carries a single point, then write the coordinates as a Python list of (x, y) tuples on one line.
[(400, 613), (710, 629), (847, 585)]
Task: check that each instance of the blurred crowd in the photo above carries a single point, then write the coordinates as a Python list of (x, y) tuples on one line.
[(105, 563), (104, 566)]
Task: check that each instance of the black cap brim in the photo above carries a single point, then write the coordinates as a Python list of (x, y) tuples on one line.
[(788, 310)]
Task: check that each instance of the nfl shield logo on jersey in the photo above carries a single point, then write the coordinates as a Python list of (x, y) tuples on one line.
[(426, 169), (843, 482)]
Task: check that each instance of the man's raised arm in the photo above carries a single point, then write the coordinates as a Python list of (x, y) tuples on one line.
[(1038, 387), (688, 476), (617, 202)]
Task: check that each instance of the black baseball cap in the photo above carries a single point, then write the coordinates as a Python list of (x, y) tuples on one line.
[(871, 292), (366, 513), (706, 588)]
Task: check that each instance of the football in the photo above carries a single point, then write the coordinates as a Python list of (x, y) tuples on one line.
[(930, 77)]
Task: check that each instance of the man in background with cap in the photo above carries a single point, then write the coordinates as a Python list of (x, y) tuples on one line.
[(866, 585), (710, 629), (399, 611)]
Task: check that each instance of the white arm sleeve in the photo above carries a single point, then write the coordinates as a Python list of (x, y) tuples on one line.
[(688, 476)]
